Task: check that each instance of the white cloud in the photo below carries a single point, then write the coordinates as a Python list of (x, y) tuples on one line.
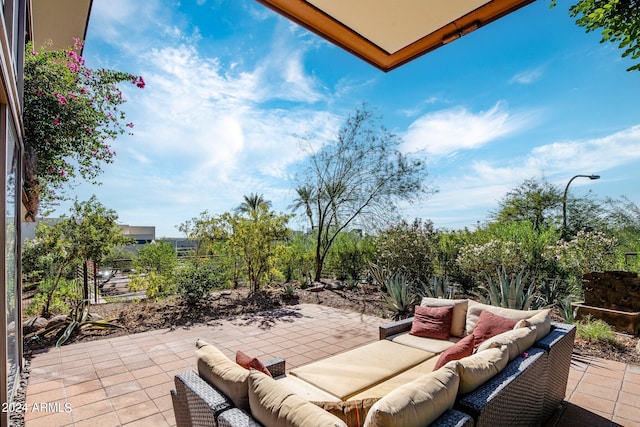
[(446, 132), (527, 77)]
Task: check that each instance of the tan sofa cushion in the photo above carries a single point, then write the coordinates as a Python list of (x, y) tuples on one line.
[(517, 341), (274, 405), (380, 390), (431, 345), (478, 368), (305, 390), (417, 403), (352, 412), (458, 321), (475, 308), (224, 374), (542, 323), (348, 373)]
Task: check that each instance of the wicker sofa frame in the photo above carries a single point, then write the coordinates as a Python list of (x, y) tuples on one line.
[(526, 393)]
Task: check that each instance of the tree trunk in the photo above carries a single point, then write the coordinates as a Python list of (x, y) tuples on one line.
[(31, 184)]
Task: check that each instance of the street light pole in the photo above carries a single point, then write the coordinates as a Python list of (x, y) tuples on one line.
[(564, 200)]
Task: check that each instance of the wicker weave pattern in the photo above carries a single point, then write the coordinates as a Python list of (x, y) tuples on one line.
[(514, 397), (180, 409), (203, 402), (453, 418), (394, 328), (236, 417), (276, 367), (559, 344)]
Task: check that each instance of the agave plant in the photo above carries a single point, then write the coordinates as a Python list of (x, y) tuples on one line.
[(400, 296), (438, 287), (380, 275), (509, 291), (567, 311), (78, 319)]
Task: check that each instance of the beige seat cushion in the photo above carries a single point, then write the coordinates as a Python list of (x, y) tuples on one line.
[(385, 387), (459, 312), (431, 345), (478, 368), (305, 390), (274, 405), (517, 341), (346, 374), (224, 374), (475, 308), (417, 403)]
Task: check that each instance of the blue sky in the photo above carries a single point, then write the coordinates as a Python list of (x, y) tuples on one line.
[(231, 85)]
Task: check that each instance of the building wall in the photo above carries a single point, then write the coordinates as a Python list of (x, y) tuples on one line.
[(11, 71)]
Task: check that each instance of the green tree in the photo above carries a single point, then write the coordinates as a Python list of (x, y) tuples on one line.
[(158, 257), (618, 19), (87, 234), (70, 114), (535, 201), (255, 239), (356, 181)]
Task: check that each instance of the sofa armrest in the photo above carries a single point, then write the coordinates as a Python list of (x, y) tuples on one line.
[(453, 418), (236, 417), (195, 402), (515, 396), (394, 328), (558, 343), (276, 367)]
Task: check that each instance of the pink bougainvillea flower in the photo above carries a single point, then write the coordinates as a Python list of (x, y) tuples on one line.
[(56, 121), (84, 90), (141, 83), (61, 99), (130, 124)]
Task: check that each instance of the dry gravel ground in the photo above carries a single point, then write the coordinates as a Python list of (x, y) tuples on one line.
[(172, 313)]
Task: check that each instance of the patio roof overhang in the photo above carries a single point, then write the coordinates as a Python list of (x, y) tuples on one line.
[(59, 21), (388, 34)]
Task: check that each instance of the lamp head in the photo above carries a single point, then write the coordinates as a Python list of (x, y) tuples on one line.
[(594, 176)]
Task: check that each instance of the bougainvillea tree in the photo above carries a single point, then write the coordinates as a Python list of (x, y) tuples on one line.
[(71, 113)]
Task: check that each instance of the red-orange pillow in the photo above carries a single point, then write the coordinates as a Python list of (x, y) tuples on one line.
[(490, 325), (248, 362), (462, 348), (432, 322)]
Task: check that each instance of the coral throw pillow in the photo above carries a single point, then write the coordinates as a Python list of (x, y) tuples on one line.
[(462, 348), (490, 325), (248, 362), (432, 322)]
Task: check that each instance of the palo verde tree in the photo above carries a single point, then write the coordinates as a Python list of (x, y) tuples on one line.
[(356, 180), (254, 237), (88, 233), (70, 114)]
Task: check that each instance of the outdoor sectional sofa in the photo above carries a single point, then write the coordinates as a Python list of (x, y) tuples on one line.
[(515, 378)]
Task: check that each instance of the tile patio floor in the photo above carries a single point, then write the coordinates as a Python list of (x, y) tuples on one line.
[(126, 380)]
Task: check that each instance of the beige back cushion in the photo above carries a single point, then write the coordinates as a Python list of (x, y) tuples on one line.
[(475, 308), (274, 405), (417, 403), (459, 312), (542, 323), (517, 341), (224, 374), (479, 368)]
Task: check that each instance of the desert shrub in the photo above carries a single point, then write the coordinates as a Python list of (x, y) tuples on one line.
[(409, 249), (155, 285), (595, 331), (586, 252), (296, 259), (158, 256), (349, 255), (68, 291), (196, 278)]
